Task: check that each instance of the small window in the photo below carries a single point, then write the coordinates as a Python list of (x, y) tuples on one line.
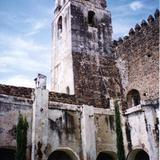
[(68, 90), (133, 98), (91, 18), (60, 26)]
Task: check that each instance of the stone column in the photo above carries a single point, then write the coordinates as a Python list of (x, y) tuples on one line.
[(88, 133), (40, 123)]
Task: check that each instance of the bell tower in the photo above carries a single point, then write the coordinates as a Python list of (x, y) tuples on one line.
[(62, 68), (82, 34)]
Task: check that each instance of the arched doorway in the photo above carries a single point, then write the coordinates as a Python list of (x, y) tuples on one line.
[(133, 98), (138, 154), (106, 156), (64, 154), (141, 155), (7, 154)]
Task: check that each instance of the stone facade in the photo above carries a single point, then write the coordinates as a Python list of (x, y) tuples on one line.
[(55, 125), (137, 58), (76, 121)]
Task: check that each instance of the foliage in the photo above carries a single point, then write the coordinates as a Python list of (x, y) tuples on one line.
[(120, 145), (21, 137)]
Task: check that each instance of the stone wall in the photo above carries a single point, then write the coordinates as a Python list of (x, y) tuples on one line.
[(12, 101), (138, 58), (96, 79), (90, 37), (75, 129), (56, 122), (16, 91), (138, 61)]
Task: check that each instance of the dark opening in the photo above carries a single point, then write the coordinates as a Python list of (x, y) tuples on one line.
[(7, 154), (91, 18), (68, 90), (128, 135), (133, 98), (104, 156), (141, 155), (60, 25), (59, 155)]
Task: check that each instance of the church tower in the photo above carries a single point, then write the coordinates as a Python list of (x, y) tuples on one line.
[(82, 35)]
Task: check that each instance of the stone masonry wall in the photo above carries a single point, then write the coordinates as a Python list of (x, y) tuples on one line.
[(11, 103), (138, 58), (138, 63), (96, 79)]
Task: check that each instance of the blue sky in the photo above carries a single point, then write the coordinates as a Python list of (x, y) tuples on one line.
[(25, 34)]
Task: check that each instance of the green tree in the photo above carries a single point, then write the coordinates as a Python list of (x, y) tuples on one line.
[(120, 144), (21, 137)]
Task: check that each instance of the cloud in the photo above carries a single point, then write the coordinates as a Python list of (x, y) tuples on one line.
[(136, 5), (24, 57), (19, 80), (19, 43), (36, 26)]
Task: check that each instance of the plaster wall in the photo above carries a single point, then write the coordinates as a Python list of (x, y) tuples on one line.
[(142, 125), (10, 106), (62, 70)]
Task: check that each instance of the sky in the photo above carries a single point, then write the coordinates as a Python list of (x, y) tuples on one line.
[(25, 35)]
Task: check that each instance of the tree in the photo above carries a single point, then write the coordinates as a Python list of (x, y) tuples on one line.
[(120, 145), (21, 137)]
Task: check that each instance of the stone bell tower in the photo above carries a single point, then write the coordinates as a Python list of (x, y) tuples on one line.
[(82, 35)]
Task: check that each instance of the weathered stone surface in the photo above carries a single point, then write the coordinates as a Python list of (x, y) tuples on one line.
[(138, 62), (93, 73), (16, 91)]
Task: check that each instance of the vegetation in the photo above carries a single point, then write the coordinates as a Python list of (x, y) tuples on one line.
[(21, 137), (120, 145)]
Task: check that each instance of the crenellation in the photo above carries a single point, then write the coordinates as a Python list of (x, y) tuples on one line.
[(137, 27), (131, 32), (150, 19), (140, 29), (156, 14), (144, 23)]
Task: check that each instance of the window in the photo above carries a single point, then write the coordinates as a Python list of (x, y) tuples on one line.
[(59, 26), (133, 98), (91, 18), (68, 90)]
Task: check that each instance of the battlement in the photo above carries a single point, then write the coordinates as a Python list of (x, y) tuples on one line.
[(151, 23)]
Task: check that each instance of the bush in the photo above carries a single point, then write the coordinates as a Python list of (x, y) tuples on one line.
[(120, 145), (21, 137)]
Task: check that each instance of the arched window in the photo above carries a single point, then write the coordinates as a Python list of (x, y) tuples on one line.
[(133, 98), (67, 90), (91, 18), (60, 26)]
